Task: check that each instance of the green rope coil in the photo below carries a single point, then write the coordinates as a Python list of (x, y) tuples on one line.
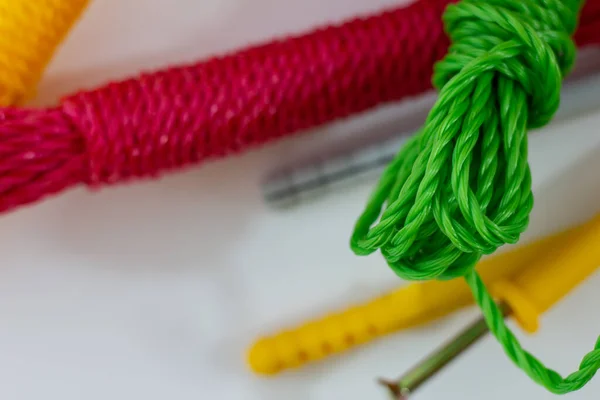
[(461, 187)]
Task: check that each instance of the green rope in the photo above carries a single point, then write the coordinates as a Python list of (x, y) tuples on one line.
[(461, 188)]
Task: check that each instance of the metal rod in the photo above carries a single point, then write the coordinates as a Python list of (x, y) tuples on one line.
[(291, 186), (402, 388), (295, 184)]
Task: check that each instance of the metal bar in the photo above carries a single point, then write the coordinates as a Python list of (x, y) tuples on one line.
[(432, 364), (291, 186), (295, 184)]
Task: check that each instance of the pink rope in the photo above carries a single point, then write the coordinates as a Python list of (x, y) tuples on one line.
[(181, 116)]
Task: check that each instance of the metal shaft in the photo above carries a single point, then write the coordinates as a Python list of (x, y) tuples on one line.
[(292, 185), (437, 360)]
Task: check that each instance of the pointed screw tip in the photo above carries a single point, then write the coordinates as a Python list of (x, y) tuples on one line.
[(393, 388)]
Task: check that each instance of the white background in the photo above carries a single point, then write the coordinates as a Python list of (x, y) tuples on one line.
[(155, 290)]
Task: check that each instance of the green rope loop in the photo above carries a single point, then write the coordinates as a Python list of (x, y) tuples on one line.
[(534, 368), (461, 187)]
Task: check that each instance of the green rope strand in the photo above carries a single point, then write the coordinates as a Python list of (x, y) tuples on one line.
[(534, 368), (461, 187)]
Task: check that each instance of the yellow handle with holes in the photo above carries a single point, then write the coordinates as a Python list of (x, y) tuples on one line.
[(411, 305)]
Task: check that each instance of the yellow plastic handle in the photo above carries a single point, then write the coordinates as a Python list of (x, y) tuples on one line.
[(554, 274), (406, 307), (30, 32)]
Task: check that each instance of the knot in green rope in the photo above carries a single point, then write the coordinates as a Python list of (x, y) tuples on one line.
[(461, 187)]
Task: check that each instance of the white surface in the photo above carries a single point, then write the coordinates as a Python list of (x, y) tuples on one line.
[(154, 291)]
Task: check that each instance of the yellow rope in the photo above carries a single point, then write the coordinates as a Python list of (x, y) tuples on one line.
[(30, 33)]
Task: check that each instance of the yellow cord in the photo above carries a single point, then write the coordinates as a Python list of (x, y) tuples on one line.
[(30, 33)]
